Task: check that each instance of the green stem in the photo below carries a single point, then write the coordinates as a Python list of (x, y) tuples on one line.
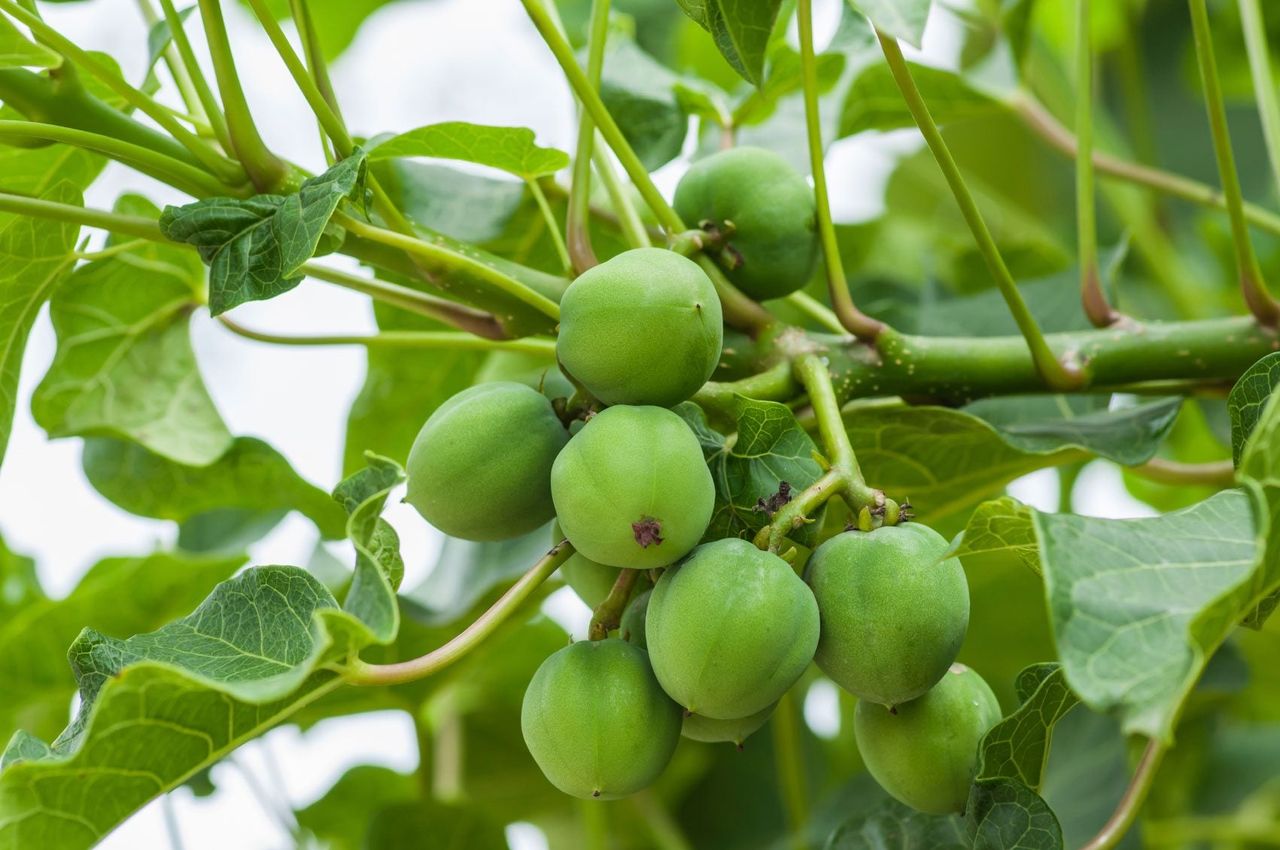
[(595, 825), (1135, 794), (1133, 87), (208, 100), (171, 825), (796, 513), (608, 614), (266, 170), (363, 673), (125, 225), (553, 227), (812, 373), (1252, 284), (663, 829), (314, 55), (181, 175), (224, 168), (777, 383), (816, 310), (1224, 833), (788, 754), (1220, 473), (578, 218), (443, 340), (1056, 374), (1264, 83), (851, 318), (628, 217), (1092, 296), (177, 70)]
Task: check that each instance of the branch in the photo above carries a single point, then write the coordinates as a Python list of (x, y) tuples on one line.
[(608, 614), (1092, 295), (208, 100), (1221, 473), (1134, 796), (363, 673), (442, 340), (813, 374)]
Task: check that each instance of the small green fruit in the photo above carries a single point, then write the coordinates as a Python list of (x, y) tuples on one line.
[(894, 612), (480, 468), (772, 210), (925, 752), (700, 728), (730, 629), (631, 628), (644, 327), (596, 721), (591, 581), (631, 489)]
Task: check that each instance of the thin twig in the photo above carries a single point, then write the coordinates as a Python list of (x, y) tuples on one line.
[(1134, 796)]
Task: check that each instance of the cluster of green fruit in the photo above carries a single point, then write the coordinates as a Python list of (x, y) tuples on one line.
[(708, 647)]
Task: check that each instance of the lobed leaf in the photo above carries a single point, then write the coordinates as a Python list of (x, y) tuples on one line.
[(874, 102), (379, 567), (1248, 398), (509, 149), (1017, 747)]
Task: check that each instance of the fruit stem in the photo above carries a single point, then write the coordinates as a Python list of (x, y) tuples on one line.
[(788, 753), (812, 373), (362, 673), (1092, 296), (1252, 285), (1134, 796), (608, 614), (577, 219), (777, 383), (553, 227), (851, 318)]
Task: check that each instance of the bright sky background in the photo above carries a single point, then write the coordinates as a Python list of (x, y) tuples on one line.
[(415, 62)]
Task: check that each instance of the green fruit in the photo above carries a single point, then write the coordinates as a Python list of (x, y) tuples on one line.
[(596, 721), (631, 628), (631, 489), (772, 211), (591, 581), (480, 468), (642, 328), (711, 731), (925, 752), (730, 629), (533, 370), (894, 613)]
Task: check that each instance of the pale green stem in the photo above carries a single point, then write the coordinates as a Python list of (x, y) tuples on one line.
[(1220, 473), (663, 829), (208, 100), (788, 753), (553, 227), (431, 340), (816, 310), (1131, 802), (172, 61), (1092, 296), (1264, 83), (578, 217), (629, 220)]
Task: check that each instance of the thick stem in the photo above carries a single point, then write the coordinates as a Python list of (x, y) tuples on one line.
[(1094, 299), (362, 673), (1264, 83), (431, 340), (1134, 796), (777, 383), (1252, 284), (851, 318), (1055, 373), (663, 829), (578, 219), (208, 100), (608, 614)]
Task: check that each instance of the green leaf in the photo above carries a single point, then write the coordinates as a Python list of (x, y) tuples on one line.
[(473, 208), (124, 366), (430, 825), (251, 476), (35, 254), (1006, 815), (641, 95), (379, 567), (784, 78), (336, 22), (894, 826), (998, 527), (341, 818), (1260, 468), (904, 19), (1018, 746), (874, 101), (1247, 399), (161, 36), (770, 449), (256, 247), (17, 51), (741, 30), (19, 583), (509, 149), (116, 595)]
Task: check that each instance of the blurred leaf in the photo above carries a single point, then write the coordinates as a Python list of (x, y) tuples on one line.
[(124, 366), (468, 207), (509, 149), (1248, 398), (346, 812), (904, 19), (251, 476), (19, 583), (874, 101), (428, 825), (17, 51), (640, 94), (336, 22), (1087, 773), (895, 826), (160, 36), (784, 78), (256, 247), (1018, 746)]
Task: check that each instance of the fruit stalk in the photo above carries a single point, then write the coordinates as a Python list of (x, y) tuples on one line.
[(1134, 796), (608, 614)]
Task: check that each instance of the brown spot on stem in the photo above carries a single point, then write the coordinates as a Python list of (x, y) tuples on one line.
[(648, 531), (595, 793), (775, 502)]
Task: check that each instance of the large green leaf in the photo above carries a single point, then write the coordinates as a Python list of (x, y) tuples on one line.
[(17, 51), (894, 826), (251, 478), (1247, 399), (874, 102), (1006, 815), (741, 30), (124, 365), (256, 247), (509, 149), (904, 19), (117, 596)]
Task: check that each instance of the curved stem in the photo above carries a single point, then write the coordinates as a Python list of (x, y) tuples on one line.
[(314, 54), (816, 310), (577, 220), (446, 340), (1264, 84), (1134, 796), (1221, 473), (627, 216), (125, 225), (1252, 284), (1055, 374), (788, 754), (208, 100), (815, 377), (1094, 299), (553, 227), (177, 70), (851, 318), (608, 614), (777, 383), (363, 673)]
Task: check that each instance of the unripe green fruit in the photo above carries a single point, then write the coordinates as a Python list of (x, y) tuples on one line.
[(893, 613), (631, 628), (480, 468), (773, 213), (701, 728), (925, 752), (533, 370), (642, 328), (591, 581), (631, 489), (596, 721), (730, 629)]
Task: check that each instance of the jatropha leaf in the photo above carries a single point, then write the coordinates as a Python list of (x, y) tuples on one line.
[(1247, 399), (509, 149), (255, 247), (1018, 746), (741, 30), (1259, 470), (379, 567)]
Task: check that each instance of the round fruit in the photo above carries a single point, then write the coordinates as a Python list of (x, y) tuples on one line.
[(730, 629), (774, 243), (596, 721), (700, 728), (631, 628), (480, 468), (533, 370), (591, 581), (894, 612), (925, 752), (631, 489), (642, 328)]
